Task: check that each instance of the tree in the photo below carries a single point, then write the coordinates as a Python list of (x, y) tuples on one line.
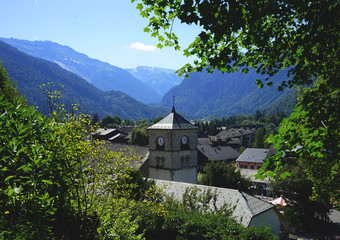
[(260, 137), (224, 175), (298, 189), (7, 88), (128, 122), (266, 36), (141, 123), (312, 131), (117, 120), (301, 36), (54, 184), (94, 119), (139, 136)]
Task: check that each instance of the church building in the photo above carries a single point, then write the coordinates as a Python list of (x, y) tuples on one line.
[(173, 149)]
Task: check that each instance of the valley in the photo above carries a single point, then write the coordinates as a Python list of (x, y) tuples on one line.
[(142, 92)]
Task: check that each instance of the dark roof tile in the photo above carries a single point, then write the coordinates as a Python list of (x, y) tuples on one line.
[(173, 121)]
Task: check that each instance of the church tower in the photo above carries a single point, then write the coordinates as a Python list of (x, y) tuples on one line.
[(173, 149)]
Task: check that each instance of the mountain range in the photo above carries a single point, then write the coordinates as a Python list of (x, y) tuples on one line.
[(202, 95), (206, 95), (29, 72), (160, 79), (102, 75)]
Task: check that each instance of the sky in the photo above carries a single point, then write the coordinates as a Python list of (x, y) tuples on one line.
[(107, 30)]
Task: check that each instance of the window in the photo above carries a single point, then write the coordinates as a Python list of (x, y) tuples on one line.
[(182, 161), (188, 162), (159, 162)]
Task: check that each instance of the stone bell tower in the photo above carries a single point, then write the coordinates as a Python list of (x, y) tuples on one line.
[(173, 149)]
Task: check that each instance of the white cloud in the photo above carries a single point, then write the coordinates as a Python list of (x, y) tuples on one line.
[(143, 47)]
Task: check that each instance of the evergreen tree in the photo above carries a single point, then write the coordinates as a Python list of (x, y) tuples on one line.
[(95, 119)]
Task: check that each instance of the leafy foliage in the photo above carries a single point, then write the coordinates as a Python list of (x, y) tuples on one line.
[(312, 132), (300, 36), (7, 88), (260, 136), (139, 136), (298, 188), (192, 219), (110, 121), (224, 175), (252, 34), (57, 183)]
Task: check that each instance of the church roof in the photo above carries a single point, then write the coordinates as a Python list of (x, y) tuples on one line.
[(245, 207), (173, 121)]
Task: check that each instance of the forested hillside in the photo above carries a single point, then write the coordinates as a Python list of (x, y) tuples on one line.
[(206, 95), (29, 73), (102, 75)]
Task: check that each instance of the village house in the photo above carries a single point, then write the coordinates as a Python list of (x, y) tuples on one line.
[(252, 158), (246, 209), (208, 153), (113, 135), (234, 137), (248, 163)]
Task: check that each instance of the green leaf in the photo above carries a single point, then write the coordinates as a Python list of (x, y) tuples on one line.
[(47, 181), (9, 177), (139, 6), (285, 174)]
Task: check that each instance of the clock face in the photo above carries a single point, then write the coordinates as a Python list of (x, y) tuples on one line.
[(184, 140), (160, 141)]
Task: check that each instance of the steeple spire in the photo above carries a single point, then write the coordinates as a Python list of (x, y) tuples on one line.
[(173, 104)]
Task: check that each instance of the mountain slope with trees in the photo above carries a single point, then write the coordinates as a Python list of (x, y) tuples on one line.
[(101, 74), (29, 73), (206, 95)]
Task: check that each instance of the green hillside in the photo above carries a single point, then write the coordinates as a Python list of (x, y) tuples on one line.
[(102, 75), (205, 95), (29, 73)]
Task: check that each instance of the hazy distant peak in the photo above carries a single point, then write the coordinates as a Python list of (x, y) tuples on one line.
[(101, 74)]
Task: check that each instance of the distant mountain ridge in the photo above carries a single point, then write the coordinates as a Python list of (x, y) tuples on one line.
[(29, 72), (101, 74), (203, 95), (160, 79), (206, 95)]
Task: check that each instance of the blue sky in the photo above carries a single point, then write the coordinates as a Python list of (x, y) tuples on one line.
[(108, 30)]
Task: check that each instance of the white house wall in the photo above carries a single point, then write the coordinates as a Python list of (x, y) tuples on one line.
[(268, 218)]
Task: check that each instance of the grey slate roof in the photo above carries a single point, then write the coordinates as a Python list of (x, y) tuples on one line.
[(173, 121), (254, 155), (105, 131), (233, 133), (219, 153), (246, 206), (250, 173)]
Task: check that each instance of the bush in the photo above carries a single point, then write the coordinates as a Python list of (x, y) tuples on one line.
[(186, 220), (54, 183)]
